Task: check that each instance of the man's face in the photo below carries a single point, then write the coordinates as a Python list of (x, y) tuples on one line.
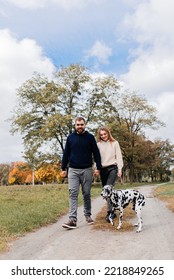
[(80, 126)]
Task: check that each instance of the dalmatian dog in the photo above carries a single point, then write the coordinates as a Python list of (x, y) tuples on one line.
[(120, 199)]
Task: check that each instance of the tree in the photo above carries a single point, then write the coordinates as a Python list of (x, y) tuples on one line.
[(47, 173), (134, 115), (19, 173), (34, 158), (4, 173), (46, 109), (172, 174), (165, 159)]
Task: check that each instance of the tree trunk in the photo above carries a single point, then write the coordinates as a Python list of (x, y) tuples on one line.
[(32, 177)]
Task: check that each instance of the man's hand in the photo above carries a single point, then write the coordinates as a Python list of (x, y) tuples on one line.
[(96, 172), (119, 174), (64, 174)]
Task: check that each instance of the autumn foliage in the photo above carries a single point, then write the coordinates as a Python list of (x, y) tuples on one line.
[(21, 173), (48, 173), (18, 173)]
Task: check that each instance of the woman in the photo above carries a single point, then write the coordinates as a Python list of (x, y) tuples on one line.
[(111, 159)]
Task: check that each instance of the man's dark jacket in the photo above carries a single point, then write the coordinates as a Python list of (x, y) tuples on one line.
[(80, 149)]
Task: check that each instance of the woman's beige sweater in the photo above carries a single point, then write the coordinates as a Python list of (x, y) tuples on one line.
[(110, 154)]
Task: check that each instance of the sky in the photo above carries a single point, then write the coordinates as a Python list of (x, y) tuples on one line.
[(131, 39)]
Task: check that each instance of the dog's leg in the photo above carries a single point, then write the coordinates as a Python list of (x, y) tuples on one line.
[(140, 223), (120, 218), (111, 217), (133, 203)]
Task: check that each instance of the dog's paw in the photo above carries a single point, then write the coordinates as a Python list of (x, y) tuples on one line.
[(118, 227), (135, 225), (112, 222), (138, 230)]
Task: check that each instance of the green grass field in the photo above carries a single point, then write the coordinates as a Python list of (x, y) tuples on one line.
[(166, 193), (26, 208)]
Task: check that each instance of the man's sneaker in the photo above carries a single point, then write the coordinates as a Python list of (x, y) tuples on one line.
[(71, 224), (89, 220)]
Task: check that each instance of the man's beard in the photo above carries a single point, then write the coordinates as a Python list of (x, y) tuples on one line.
[(80, 130)]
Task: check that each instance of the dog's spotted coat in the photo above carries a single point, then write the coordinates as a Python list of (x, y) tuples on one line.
[(120, 199)]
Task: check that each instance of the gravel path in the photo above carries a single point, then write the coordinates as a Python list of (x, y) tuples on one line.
[(155, 242)]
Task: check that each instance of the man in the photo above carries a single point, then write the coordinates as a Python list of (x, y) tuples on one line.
[(79, 151)]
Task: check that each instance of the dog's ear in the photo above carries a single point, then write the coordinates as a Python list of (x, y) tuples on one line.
[(107, 187), (110, 188)]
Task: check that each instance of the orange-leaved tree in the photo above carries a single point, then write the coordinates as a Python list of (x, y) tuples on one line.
[(47, 173), (19, 173)]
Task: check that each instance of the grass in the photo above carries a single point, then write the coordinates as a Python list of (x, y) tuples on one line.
[(26, 208), (166, 193)]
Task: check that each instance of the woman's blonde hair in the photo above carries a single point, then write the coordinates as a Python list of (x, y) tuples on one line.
[(104, 128)]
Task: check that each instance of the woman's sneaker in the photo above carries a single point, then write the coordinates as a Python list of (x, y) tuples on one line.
[(89, 220), (107, 216), (71, 224), (113, 216)]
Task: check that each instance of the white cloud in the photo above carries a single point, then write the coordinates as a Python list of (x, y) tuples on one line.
[(164, 104), (18, 60), (152, 58), (100, 51), (152, 71), (151, 21)]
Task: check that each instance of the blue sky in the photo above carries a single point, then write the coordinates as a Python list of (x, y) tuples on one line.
[(132, 39)]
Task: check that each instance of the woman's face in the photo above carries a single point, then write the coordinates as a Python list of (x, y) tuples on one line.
[(104, 135)]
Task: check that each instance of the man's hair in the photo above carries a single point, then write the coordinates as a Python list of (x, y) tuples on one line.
[(80, 119)]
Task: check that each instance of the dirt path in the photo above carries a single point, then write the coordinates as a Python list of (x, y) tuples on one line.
[(155, 242)]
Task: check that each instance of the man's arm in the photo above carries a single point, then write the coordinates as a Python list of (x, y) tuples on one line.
[(65, 159), (96, 154)]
